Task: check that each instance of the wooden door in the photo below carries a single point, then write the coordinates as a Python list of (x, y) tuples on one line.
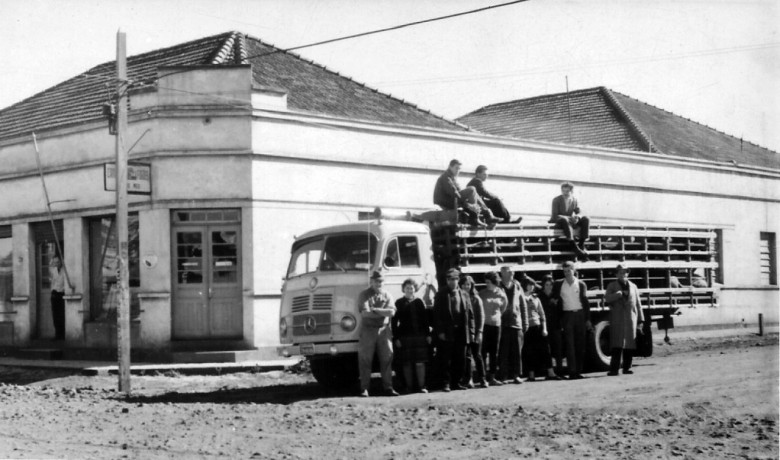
[(207, 283)]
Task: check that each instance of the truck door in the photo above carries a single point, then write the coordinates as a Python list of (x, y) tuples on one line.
[(402, 261)]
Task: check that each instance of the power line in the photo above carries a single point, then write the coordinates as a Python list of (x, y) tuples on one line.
[(363, 34), (388, 29), (596, 64)]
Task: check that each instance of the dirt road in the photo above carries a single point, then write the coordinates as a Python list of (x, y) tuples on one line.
[(715, 398)]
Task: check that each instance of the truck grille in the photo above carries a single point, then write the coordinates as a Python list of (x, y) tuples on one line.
[(322, 302), (300, 303), (311, 324)]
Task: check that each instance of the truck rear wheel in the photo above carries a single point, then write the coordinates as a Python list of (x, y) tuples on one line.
[(598, 347), (335, 372)]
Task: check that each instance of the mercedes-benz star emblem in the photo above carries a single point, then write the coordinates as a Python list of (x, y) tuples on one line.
[(310, 325), (313, 283)]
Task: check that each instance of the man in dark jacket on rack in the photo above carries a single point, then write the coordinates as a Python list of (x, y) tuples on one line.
[(493, 202), (566, 215), (452, 320), (569, 295), (448, 195)]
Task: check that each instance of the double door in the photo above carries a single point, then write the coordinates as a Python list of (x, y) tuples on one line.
[(207, 282)]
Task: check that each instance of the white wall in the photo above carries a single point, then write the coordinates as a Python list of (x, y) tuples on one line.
[(307, 175)]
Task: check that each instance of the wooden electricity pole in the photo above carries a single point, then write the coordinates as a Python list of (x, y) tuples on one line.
[(123, 309)]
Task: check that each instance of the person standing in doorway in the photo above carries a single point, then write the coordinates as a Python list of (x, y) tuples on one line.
[(570, 294), (57, 278), (625, 316), (376, 334)]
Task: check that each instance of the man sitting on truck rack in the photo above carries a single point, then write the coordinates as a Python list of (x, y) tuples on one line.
[(493, 202), (448, 195), (376, 308), (566, 216)]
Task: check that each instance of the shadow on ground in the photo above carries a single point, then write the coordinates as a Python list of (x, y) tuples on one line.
[(279, 394), (25, 376)]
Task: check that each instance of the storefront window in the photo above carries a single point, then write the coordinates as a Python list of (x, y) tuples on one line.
[(6, 269), (104, 264)]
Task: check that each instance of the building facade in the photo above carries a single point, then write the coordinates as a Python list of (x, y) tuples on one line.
[(245, 154)]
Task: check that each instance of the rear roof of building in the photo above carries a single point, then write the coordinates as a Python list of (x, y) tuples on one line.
[(311, 87), (605, 118)]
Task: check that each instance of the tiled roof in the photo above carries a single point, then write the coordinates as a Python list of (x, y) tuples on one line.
[(311, 87), (604, 118)]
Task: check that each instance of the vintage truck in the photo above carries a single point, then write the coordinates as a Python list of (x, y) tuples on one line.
[(674, 268)]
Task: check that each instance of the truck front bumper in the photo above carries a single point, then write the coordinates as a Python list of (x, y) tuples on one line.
[(317, 349)]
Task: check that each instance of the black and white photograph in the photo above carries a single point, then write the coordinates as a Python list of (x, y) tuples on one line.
[(389, 229)]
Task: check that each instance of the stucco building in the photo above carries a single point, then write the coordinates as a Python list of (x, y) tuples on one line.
[(248, 146)]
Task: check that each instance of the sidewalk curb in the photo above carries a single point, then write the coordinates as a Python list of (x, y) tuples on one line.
[(92, 368)]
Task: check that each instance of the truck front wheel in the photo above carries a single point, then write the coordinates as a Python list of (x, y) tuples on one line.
[(598, 347), (335, 372)]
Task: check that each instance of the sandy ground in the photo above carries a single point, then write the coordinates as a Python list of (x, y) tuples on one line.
[(711, 397)]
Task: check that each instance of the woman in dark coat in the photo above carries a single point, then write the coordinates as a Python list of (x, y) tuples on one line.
[(412, 334), (553, 316), (474, 350)]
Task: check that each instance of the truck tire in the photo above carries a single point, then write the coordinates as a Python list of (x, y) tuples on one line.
[(598, 347), (335, 372)]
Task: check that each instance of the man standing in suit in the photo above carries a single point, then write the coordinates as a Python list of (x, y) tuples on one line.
[(452, 320), (569, 294), (566, 216), (625, 315), (491, 201)]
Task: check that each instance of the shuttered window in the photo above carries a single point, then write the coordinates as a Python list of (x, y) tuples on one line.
[(768, 259)]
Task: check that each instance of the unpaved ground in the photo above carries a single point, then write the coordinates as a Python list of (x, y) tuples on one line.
[(697, 398)]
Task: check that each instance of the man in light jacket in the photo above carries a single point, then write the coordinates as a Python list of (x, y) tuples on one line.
[(625, 315)]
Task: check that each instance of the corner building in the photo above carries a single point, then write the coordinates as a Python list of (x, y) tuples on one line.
[(249, 146)]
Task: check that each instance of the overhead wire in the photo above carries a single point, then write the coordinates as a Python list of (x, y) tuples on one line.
[(364, 34), (606, 63)]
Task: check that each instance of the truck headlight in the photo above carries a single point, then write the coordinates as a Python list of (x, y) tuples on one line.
[(348, 322), (282, 327)]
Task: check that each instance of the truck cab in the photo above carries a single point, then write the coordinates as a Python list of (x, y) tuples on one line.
[(328, 268)]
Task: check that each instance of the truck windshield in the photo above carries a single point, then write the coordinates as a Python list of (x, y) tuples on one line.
[(343, 252)]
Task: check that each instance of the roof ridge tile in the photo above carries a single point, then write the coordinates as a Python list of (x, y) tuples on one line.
[(696, 122), (633, 124)]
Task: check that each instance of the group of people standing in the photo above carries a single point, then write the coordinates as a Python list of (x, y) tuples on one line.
[(512, 325), (509, 329)]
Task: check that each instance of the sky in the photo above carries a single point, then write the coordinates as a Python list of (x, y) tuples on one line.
[(714, 62)]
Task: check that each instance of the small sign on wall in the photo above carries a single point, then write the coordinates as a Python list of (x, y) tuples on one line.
[(139, 178)]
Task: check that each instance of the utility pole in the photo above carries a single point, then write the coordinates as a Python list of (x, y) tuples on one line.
[(123, 309)]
